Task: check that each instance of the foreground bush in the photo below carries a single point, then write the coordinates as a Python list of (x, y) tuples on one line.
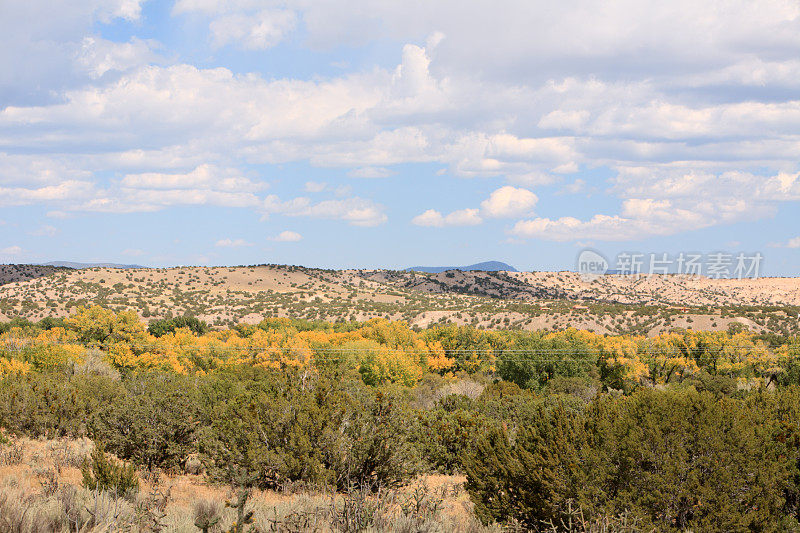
[(264, 428), (446, 435), (101, 473), (54, 404), (681, 460), (152, 423)]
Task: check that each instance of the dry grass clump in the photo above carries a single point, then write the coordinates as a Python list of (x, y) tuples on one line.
[(40, 491), (11, 454), (464, 387)]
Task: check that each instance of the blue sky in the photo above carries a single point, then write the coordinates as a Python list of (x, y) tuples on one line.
[(388, 134)]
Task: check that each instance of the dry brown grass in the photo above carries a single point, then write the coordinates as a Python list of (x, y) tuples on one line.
[(41, 492)]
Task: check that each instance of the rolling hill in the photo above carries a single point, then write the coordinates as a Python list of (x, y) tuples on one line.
[(492, 300), (72, 264), (486, 266)]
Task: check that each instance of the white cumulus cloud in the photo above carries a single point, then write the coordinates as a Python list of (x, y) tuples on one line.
[(462, 217), (370, 172), (232, 243), (315, 186), (287, 236), (507, 202), (45, 231), (690, 103), (12, 250), (356, 211), (791, 243), (253, 31)]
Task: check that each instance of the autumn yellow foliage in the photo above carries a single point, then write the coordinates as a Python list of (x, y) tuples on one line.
[(381, 350)]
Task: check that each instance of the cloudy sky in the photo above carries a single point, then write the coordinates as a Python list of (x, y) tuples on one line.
[(388, 133)]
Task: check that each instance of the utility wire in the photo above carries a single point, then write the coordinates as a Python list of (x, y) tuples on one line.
[(330, 352)]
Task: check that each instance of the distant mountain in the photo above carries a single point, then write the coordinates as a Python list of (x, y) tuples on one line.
[(70, 264), (488, 266)]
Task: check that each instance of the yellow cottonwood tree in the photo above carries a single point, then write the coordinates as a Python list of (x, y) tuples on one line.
[(104, 327)]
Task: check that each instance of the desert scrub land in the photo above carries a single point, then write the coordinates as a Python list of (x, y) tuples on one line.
[(42, 489), (226, 296), (109, 423)]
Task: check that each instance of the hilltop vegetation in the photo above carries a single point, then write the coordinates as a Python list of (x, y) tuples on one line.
[(226, 296), (15, 273)]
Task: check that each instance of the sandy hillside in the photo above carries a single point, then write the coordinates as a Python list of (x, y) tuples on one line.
[(528, 300)]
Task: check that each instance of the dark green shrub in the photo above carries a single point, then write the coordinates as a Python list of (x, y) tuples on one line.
[(508, 403), (532, 360), (583, 388), (373, 446), (500, 390), (102, 473), (456, 402), (682, 460), (158, 328), (152, 423), (16, 322), (530, 477), (263, 428), (50, 322), (53, 404), (718, 385), (260, 429), (445, 437)]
